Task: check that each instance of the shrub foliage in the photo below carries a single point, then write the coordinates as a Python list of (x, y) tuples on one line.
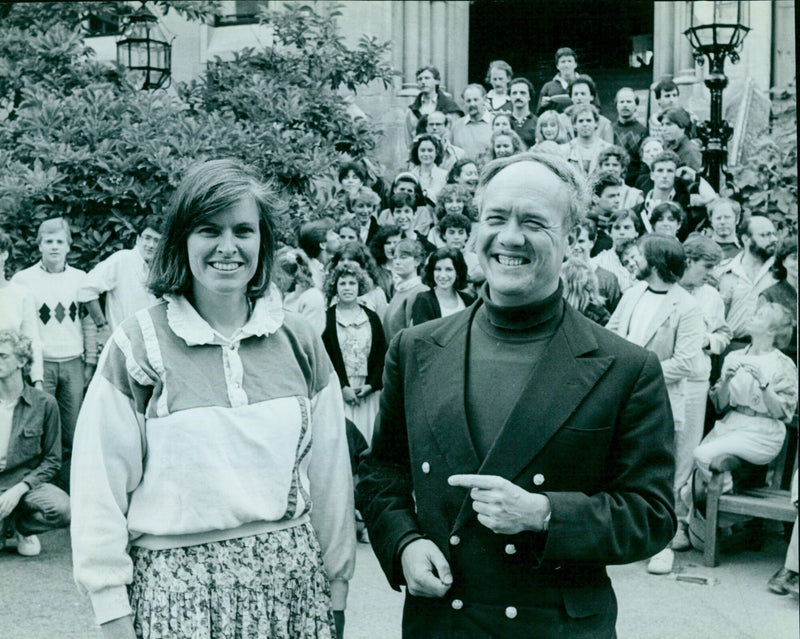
[(77, 139)]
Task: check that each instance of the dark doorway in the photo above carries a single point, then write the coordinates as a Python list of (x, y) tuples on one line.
[(526, 34)]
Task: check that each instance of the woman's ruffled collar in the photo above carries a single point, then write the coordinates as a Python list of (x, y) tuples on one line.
[(186, 322)]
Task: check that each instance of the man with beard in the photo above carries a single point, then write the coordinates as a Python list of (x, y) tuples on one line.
[(628, 131), (123, 278), (499, 504), (473, 132), (522, 120), (661, 316), (748, 274)]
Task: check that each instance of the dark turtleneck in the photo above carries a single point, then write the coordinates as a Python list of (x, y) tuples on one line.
[(505, 346)]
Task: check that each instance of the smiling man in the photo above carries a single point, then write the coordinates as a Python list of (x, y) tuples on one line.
[(519, 447)]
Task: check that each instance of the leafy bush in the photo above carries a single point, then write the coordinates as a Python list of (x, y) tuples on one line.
[(78, 140), (767, 183)]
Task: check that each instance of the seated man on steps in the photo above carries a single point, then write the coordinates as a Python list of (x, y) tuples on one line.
[(30, 452)]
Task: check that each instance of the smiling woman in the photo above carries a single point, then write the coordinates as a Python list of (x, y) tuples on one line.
[(208, 384)]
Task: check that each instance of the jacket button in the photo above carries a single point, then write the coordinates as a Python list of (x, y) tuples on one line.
[(426, 467), (538, 479), (510, 549), (456, 604), (455, 540), (511, 612)]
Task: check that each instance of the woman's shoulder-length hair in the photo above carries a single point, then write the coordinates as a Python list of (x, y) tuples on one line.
[(207, 189)]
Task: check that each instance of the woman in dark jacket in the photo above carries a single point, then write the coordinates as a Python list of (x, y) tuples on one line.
[(355, 343), (445, 273)]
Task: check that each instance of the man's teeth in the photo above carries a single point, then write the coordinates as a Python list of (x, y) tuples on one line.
[(225, 266), (510, 261)]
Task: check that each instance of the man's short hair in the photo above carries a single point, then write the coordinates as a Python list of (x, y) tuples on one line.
[(615, 152), (745, 226), (720, 202), (153, 222), (666, 156), (54, 225), (498, 64), (576, 109), (312, 235), (565, 172), (21, 347), (603, 180), (526, 82), (635, 96), (480, 87), (701, 248), (664, 254), (665, 85), (583, 79), (565, 51), (676, 115), (432, 70), (454, 221)]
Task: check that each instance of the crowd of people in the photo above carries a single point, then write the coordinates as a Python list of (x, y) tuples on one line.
[(196, 394)]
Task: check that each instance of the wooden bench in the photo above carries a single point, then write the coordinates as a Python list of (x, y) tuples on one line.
[(771, 502)]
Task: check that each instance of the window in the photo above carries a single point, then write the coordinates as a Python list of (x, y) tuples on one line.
[(102, 25), (239, 12)]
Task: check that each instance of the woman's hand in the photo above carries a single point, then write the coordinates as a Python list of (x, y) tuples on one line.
[(121, 628), (755, 373), (363, 391), (349, 395)]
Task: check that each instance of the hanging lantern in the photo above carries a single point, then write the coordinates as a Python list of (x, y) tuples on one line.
[(144, 50)]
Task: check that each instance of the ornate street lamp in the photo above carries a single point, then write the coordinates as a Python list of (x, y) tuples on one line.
[(144, 50), (717, 31)]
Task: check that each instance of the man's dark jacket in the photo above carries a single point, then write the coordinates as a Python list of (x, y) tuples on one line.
[(592, 431)]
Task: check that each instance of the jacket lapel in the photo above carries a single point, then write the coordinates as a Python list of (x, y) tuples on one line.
[(555, 389), (442, 369), (664, 311)]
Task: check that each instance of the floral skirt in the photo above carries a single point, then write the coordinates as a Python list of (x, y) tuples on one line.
[(270, 585)]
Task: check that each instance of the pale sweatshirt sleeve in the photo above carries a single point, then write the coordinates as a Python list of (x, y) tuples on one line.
[(30, 328), (332, 513), (312, 307), (101, 279), (107, 461)]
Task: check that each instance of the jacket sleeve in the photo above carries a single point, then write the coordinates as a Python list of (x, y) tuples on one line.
[(633, 517), (384, 490), (422, 309), (51, 446), (331, 484), (688, 342), (107, 464)]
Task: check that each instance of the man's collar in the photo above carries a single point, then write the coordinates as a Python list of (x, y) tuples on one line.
[(27, 394)]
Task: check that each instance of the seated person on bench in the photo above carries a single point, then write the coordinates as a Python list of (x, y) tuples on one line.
[(757, 392)]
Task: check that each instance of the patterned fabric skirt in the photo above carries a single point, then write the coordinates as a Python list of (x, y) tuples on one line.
[(270, 585)]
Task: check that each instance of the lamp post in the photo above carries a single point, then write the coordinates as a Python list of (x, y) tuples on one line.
[(144, 50), (717, 31)]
